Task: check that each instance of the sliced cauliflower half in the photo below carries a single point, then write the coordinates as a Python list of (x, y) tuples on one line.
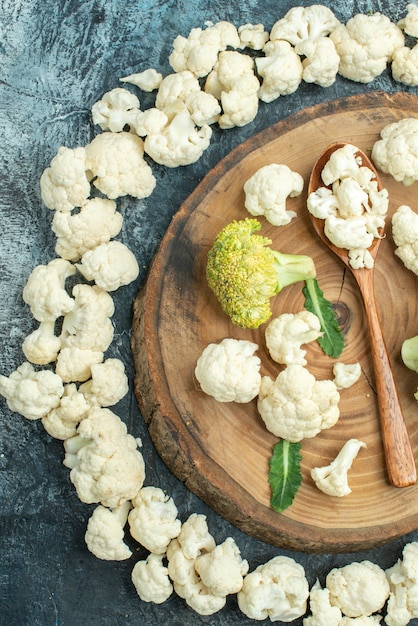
[(229, 371)]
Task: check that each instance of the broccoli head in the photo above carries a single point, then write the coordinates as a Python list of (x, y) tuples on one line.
[(244, 272)]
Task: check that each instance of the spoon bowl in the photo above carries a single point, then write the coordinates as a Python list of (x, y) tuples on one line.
[(400, 462)]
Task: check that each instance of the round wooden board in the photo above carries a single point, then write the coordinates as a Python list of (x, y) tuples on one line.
[(221, 450)]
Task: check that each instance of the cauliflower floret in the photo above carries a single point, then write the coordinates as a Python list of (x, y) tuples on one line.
[(180, 141), (402, 604), (322, 612), (117, 167), (198, 52), (151, 580), (277, 589), (31, 393), (97, 222), (345, 375), (42, 345), (194, 538), (365, 45), (287, 332), (117, 108), (176, 87), (405, 236), (105, 533), (342, 163), (409, 23), (333, 479), (88, 325), (108, 383), (65, 184), (322, 202), (229, 371), (45, 291), (363, 620), (302, 23), (321, 61), (352, 199), (359, 257), (405, 65), (148, 80), (153, 521), (252, 36), (349, 233), (105, 465), (267, 190), (222, 570), (203, 108), (296, 406), (62, 421), (396, 152), (358, 589), (281, 70), (150, 122), (74, 364), (111, 265)]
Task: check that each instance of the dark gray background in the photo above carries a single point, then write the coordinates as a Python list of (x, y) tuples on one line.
[(57, 57)]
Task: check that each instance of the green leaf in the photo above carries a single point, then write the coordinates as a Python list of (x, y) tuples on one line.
[(284, 476), (332, 341)]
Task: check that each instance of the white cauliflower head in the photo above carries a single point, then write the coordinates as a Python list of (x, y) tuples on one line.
[(151, 580), (296, 406), (229, 371), (396, 152), (277, 590), (281, 70), (65, 183), (32, 393), (268, 189), (105, 533), (116, 165), (111, 265), (153, 520), (360, 588), (332, 479), (106, 466), (45, 291), (365, 45), (286, 333)]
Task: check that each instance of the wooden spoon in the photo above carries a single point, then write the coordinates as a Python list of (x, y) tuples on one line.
[(399, 455)]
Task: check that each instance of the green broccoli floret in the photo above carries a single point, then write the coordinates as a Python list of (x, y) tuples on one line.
[(244, 272)]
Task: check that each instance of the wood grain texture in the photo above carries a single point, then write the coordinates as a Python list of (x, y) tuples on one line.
[(221, 451)]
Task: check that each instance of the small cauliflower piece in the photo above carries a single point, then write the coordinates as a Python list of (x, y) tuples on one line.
[(65, 183), (267, 190), (96, 222), (365, 45), (74, 364), (106, 466), (174, 87), (204, 108), (277, 590), (396, 152), (286, 333), (296, 406), (405, 236), (149, 122), (252, 36), (151, 580), (349, 233), (405, 65), (322, 202), (346, 374), (88, 325), (199, 51), (302, 23), (342, 163), (229, 371), (117, 108), (409, 23), (194, 538), (333, 478), (402, 604), (358, 589), (105, 533), (281, 70), (116, 165), (222, 570), (111, 265), (45, 291), (108, 383), (153, 520), (62, 421), (147, 80), (321, 61), (363, 620), (42, 345), (180, 142), (322, 612), (32, 393)]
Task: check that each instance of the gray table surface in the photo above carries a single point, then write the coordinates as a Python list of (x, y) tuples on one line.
[(57, 57)]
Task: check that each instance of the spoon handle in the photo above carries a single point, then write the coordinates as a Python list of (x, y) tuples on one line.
[(399, 455)]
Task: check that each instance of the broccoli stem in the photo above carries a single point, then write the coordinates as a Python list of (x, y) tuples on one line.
[(292, 268)]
